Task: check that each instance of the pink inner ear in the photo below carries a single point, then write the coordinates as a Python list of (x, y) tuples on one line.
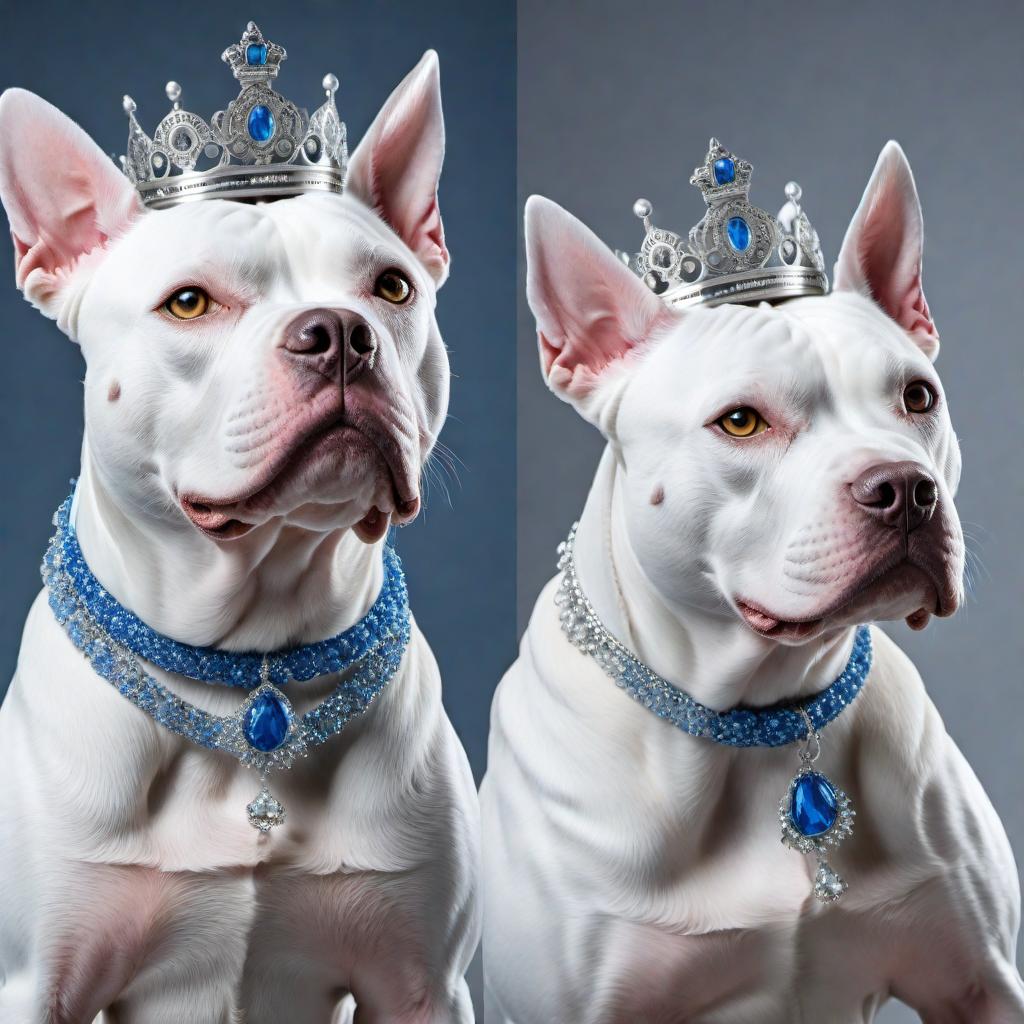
[(591, 310), (64, 197), (891, 264), (395, 169), (406, 171), (73, 208), (598, 339)]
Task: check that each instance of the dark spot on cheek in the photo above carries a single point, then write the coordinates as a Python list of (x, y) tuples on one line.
[(658, 495), (114, 391)]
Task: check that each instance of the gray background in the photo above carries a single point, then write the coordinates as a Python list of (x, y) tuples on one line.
[(618, 100), (459, 557)]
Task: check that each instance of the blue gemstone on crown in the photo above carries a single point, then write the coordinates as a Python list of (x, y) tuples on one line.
[(813, 804), (261, 123), (266, 723), (256, 54), (725, 171), (739, 234)]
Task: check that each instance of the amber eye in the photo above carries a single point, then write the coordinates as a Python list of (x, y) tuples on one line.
[(918, 396), (743, 422), (188, 303), (393, 286)]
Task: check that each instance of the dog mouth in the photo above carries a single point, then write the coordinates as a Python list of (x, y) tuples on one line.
[(768, 625), (225, 519), (891, 580)]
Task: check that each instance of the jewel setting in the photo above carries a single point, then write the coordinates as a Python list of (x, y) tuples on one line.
[(813, 806), (267, 719), (739, 234), (816, 815), (266, 811)]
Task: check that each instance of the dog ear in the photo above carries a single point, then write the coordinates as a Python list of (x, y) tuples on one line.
[(882, 251), (592, 312), (64, 197), (396, 167)]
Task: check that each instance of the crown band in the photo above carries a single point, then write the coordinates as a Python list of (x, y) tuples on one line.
[(239, 183), (754, 285), (737, 252), (261, 146)]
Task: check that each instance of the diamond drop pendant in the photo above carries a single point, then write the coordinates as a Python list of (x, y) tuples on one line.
[(828, 885), (815, 814), (266, 810)]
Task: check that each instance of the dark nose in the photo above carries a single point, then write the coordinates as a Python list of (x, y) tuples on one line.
[(900, 494), (328, 340)]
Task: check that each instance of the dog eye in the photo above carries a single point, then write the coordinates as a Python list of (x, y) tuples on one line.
[(743, 422), (918, 396), (393, 286), (187, 303)]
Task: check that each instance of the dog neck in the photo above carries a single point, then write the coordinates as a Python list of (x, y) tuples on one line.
[(712, 655), (277, 587)]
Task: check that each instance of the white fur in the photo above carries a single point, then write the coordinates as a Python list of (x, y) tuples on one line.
[(132, 881), (635, 873)]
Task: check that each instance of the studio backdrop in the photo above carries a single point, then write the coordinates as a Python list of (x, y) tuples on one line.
[(621, 103), (459, 554)]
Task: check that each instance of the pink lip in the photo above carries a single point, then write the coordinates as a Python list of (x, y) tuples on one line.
[(771, 626), (767, 624)]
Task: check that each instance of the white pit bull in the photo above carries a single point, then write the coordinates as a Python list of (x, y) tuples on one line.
[(264, 382), (774, 476)]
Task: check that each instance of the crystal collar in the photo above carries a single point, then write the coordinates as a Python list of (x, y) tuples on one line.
[(210, 664), (264, 732), (773, 726)]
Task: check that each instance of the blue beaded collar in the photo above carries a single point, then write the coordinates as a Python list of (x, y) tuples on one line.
[(773, 726), (209, 664)]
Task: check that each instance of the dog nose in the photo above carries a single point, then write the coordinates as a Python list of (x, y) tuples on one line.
[(327, 339), (900, 494)]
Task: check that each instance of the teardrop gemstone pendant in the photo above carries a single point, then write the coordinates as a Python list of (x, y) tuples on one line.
[(816, 814)]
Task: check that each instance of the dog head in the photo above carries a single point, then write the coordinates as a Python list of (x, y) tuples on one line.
[(246, 363), (792, 464)]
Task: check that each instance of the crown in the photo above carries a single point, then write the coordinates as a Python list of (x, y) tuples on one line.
[(263, 145), (737, 253)]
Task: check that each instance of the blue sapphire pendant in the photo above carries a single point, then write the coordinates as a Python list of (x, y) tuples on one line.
[(265, 735), (815, 814)]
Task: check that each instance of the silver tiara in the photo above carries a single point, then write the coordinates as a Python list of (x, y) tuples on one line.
[(737, 253), (261, 146)]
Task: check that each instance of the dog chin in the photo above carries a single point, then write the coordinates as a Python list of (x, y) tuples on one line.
[(345, 484), (905, 592)]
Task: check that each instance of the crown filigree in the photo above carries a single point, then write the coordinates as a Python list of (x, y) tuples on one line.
[(262, 145), (737, 253)]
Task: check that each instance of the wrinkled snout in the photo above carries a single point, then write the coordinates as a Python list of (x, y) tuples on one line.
[(334, 343), (902, 495)]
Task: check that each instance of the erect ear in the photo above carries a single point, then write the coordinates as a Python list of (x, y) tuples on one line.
[(396, 167), (881, 254), (64, 198), (592, 311)]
